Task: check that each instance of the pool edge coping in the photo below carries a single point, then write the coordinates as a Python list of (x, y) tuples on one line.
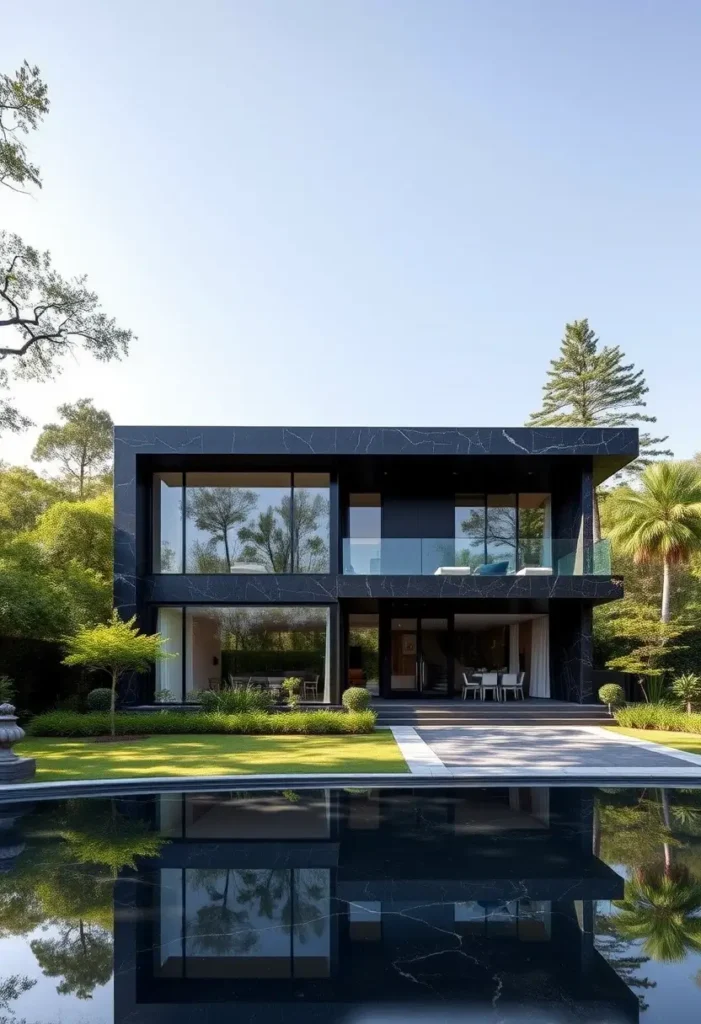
[(455, 777)]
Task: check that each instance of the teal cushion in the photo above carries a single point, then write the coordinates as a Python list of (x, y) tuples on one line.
[(493, 569)]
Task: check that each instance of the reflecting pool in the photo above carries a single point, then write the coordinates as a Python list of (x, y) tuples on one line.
[(362, 906)]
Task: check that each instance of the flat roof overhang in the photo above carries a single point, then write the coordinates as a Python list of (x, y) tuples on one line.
[(609, 448)]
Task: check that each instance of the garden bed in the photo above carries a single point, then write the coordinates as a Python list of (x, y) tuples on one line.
[(657, 716), (97, 723)]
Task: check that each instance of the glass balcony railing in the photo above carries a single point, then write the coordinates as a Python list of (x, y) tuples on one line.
[(422, 556)]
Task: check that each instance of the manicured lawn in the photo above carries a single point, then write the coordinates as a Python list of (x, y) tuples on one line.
[(68, 760), (681, 740)]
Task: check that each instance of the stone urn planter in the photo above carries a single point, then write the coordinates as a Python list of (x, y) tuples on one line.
[(12, 767)]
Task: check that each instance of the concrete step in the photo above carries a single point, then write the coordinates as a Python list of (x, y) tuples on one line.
[(428, 723)]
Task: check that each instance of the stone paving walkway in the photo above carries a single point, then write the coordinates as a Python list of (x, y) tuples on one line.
[(570, 751)]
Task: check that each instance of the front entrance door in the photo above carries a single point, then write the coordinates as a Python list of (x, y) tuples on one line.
[(420, 657)]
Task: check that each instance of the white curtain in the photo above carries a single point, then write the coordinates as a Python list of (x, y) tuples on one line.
[(513, 648), (327, 660), (169, 674), (540, 658)]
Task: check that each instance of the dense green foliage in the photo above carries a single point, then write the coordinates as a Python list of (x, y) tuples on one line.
[(658, 716), (612, 694), (235, 700), (356, 698), (67, 723), (55, 557)]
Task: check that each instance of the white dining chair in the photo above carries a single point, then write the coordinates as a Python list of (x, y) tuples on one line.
[(472, 686), (513, 681), (490, 681)]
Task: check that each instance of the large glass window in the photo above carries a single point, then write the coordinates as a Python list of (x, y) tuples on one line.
[(362, 548), (501, 529), (247, 645), (241, 522), (310, 505), (470, 520), (238, 522), (168, 522), (534, 530)]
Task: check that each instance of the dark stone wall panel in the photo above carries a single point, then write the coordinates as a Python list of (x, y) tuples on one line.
[(571, 660), (591, 588), (377, 441), (314, 589)]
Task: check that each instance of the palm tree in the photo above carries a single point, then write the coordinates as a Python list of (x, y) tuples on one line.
[(660, 522), (663, 908)]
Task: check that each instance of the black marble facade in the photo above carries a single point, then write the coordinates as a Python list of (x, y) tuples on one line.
[(574, 460)]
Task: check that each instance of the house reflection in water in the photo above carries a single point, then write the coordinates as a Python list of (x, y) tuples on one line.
[(349, 905)]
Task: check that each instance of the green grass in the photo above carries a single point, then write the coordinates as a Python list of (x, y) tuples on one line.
[(680, 740), (70, 760)]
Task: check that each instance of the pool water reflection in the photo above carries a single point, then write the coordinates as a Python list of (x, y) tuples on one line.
[(361, 906)]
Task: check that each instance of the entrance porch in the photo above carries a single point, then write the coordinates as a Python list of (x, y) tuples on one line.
[(424, 650)]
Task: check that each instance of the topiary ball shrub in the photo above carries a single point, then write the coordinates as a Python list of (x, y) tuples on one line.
[(356, 698), (613, 695), (99, 699)]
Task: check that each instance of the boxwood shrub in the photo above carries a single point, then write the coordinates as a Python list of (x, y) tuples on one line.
[(66, 723), (99, 699), (356, 698)]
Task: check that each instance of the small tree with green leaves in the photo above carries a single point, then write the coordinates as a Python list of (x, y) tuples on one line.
[(688, 689), (613, 695), (115, 647), (651, 642)]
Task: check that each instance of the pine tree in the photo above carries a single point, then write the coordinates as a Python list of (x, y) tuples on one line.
[(592, 387)]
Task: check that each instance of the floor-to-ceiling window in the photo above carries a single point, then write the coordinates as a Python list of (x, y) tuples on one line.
[(245, 644), (362, 547), (513, 530), (241, 522)]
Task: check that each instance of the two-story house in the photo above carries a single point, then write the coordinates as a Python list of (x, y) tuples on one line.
[(402, 558)]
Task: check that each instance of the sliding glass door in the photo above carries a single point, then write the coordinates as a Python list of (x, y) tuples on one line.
[(420, 656)]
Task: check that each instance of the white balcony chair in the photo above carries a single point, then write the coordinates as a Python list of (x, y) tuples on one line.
[(472, 686), (490, 681), (514, 682)]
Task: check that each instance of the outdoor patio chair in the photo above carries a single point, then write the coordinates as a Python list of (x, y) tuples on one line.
[(490, 681), (469, 685), (514, 682), (309, 689)]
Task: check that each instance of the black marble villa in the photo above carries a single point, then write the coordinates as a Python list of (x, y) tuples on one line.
[(398, 558)]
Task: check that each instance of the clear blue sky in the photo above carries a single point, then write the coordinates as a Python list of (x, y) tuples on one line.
[(354, 212)]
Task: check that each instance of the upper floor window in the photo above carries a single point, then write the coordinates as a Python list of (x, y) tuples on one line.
[(241, 522), (507, 528)]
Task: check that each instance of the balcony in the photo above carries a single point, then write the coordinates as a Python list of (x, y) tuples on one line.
[(422, 556)]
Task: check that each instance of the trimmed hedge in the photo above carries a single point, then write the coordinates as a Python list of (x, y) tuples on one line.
[(99, 699), (66, 723), (657, 716)]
